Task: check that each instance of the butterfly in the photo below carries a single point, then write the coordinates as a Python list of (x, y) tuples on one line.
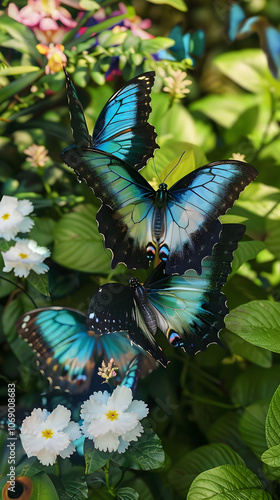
[(69, 354), (189, 309), (239, 27), (180, 223), (185, 45), (121, 128)]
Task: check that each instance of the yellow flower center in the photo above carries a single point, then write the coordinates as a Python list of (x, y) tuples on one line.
[(112, 415), (5, 216), (47, 433), (23, 255)]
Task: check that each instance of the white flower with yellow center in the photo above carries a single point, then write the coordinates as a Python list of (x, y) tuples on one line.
[(25, 256), (112, 420), (13, 218), (46, 435)]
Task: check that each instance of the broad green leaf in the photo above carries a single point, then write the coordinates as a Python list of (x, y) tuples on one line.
[(272, 456), (225, 430), (74, 486), (127, 494), (258, 322), (18, 70), (42, 231), (255, 384), (255, 354), (177, 4), (40, 282), (4, 245), (248, 68), (145, 454), (30, 467), (78, 244), (153, 45), (246, 250), (201, 459), (89, 5), (18, 85), (272, 427), (252, 426), (224, 109), (5, 286), (43, 488), (231, 482), (272, 239), (95, 459), (11, 313)]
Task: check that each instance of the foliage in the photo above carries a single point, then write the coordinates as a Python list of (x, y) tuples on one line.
[(217, 415)]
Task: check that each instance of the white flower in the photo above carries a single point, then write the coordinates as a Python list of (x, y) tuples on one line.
[(13, 217), (25, 256), (46, 435), (112, 420)]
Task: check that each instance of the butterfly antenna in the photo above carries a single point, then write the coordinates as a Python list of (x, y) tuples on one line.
[(175, 165), (22, 289), (156, 170)]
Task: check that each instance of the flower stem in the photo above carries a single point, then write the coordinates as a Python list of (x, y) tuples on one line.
[(107, 479)]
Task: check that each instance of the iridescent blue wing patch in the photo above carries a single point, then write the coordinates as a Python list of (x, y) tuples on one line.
[(67, 352), (122, 128)]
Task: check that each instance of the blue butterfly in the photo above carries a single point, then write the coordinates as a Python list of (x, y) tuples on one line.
[(69, 354), (239, 27), (185, 45), (180, 223), (188, 309), (121, 128)]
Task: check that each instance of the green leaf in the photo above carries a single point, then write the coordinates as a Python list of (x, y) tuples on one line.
[(40, 282), (4, 245), (246, 250), (89, 5), (127, 494), (201, 459), (11, 313), (272, 427), (144, 454), (20, 33), (42, 231), (272, 239), (18, 85), (248, 68), (252, 426), (272, 456), (18, 70), (254, 354), (177, 4), (43, 488), (224, 109), (78, 244), (227, 482), (95, 459), (258, 322), (254, 384), (153, 45), (74, 486)]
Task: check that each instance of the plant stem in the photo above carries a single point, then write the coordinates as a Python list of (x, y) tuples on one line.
[(207, 401), (107, 479)]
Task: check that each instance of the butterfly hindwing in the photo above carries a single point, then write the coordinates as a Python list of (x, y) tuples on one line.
[(190, 309), (122, 128), (114, 308)]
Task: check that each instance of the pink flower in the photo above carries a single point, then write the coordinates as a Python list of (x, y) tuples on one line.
[(136, 24), (55, 55), (42, 14)]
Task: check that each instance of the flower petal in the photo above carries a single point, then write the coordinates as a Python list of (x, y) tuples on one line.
[(134, 433), (59, 418), (138, 407), (73, 430), (120, 399), (107, 442)]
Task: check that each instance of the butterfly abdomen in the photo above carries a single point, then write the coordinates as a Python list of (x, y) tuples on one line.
[(141, 298)]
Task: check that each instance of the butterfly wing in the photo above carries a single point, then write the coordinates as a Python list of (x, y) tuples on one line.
[(125, 219), (77, 118), (114, 308), (132, 373), (67, 352), (194, 204), (121, 128), (190, 309), (236, 16)]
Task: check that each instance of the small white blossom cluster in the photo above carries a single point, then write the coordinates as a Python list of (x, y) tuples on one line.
[(25, 255), (110, 420)]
